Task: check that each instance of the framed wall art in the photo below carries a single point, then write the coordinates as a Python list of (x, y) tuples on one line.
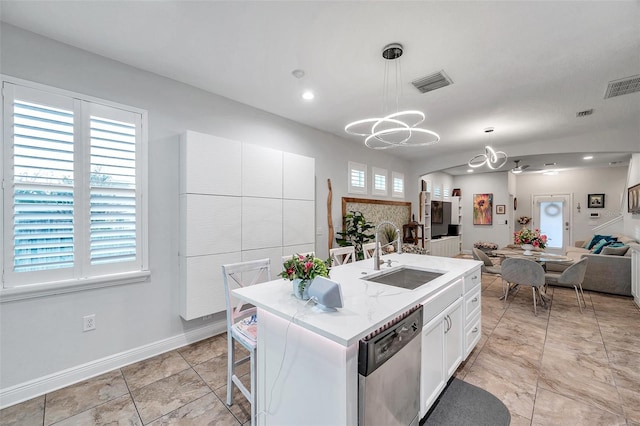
[(500, 208), (633, 199), (483, 209), (595, 201)]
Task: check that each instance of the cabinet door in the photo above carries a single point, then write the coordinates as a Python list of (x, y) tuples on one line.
[(453, 337), (432, 378)]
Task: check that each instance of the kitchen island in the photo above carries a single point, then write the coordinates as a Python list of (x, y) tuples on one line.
[(307, 360)]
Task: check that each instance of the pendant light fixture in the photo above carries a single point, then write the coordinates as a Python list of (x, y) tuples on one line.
[(492, 158), (396, 128)]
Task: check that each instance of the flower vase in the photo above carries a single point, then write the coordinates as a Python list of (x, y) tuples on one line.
[(527, 249), (301, 288)]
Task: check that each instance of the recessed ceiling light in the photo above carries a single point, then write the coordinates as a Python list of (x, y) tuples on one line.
[(469, 170), (587, 157), (308, 95)]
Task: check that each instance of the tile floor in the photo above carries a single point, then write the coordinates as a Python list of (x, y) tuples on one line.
[(561, 367)]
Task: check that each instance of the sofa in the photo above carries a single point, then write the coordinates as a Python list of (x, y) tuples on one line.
[(606, 272)]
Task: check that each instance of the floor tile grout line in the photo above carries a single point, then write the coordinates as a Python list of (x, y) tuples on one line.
[(133, 401), (609, 364)]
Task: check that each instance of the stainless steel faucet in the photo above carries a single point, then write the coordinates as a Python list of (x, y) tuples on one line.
[(376, 252)]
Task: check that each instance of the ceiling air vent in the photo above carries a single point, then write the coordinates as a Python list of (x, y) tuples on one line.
[(584, 113), (432, 82), (623, 86)]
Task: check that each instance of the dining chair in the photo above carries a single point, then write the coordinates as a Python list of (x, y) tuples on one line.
[(573, 275), (242, 324), (342, 255), (369, 249), (289, 256), (523, 272), (488, 265)]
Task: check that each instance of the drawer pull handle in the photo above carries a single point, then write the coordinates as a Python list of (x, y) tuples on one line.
[(475, 299), (475, 330), (475, 277)]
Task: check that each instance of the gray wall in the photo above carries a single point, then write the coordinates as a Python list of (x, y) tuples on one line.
[(44, 335)]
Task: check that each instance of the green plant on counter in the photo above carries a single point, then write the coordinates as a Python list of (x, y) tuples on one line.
[(356, 232), (389, 233)]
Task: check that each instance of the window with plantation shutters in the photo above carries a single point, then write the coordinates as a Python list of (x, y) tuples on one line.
[(357, 178), (73, 179)]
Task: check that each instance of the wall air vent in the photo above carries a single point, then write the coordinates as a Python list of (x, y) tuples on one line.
[(584, 113), (432, 82), (623, 86)]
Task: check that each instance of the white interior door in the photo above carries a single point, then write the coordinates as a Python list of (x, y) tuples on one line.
[(552, 215)]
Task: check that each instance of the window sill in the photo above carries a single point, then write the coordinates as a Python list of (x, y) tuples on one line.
[(71, 286)]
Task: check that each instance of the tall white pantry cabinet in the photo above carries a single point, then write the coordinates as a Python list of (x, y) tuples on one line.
[(238, 202)]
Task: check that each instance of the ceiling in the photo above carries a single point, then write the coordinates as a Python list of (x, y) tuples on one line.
[(525, 68)]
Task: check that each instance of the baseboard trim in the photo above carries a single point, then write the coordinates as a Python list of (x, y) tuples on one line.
[(42, 385)]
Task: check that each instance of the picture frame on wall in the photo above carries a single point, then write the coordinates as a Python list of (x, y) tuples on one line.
[(633, 199), (500, 208), (595, 201), (483, 209)]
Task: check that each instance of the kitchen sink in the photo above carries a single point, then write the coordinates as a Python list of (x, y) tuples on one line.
[(404, 277)]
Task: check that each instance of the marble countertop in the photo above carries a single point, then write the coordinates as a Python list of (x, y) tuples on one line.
[(367, 304)]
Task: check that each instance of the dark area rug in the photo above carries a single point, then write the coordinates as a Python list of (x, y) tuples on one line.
[(464, 404)]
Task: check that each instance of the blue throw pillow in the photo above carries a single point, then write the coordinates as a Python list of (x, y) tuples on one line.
[(601, 244), (596, 239)]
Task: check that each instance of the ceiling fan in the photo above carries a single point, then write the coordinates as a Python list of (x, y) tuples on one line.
[(518, 168)]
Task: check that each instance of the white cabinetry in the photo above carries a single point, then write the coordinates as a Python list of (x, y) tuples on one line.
[(472, 310), (635, 273), (445, 246), (456, 218), (425, 197), (238, 202), (442, 343)]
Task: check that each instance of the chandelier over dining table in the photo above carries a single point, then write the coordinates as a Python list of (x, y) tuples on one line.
[(397, 128)]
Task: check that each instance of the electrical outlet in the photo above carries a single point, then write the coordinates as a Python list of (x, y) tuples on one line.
[(89, 322)]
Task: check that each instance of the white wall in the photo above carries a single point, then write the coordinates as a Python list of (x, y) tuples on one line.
[(43, 336), (610, 181), (484, 183)]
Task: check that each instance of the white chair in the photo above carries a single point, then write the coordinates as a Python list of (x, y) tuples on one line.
[(241, 325), (369, 249), (289, 256), (342, 255)]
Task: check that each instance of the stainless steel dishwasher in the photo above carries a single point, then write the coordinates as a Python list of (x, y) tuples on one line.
[(389, 372)]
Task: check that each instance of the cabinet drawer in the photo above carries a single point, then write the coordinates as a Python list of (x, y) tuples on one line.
[(472, 279), (472, 334), (438, 302), (472, 302)]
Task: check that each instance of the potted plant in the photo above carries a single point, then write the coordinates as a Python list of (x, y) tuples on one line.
[(302, 270), (355, 232)]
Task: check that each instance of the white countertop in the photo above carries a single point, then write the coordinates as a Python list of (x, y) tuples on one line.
[(367, 304)]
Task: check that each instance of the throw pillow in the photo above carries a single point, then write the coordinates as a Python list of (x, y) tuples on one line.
[(598, 247), (615, 251), (597, 238)]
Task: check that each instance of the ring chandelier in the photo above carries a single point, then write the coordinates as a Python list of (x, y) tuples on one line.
[(492, 158), (396, 129)]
